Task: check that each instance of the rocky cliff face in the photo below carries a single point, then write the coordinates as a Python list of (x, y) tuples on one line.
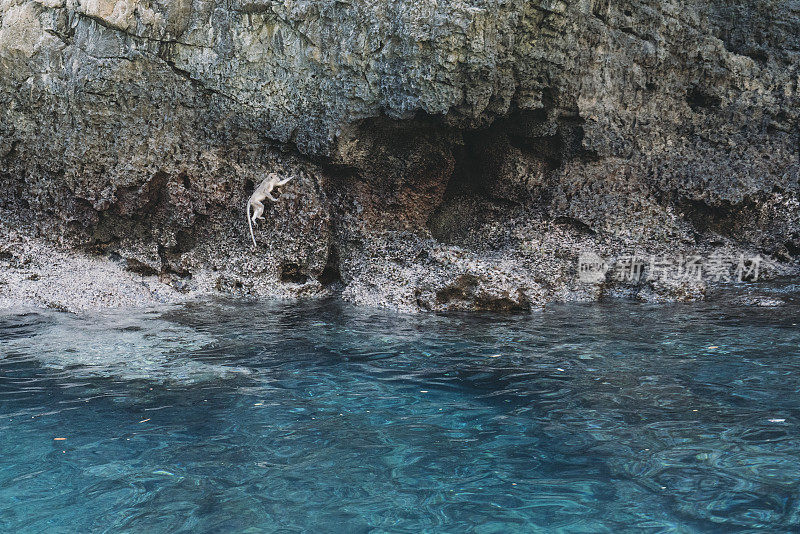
[(455, 154)]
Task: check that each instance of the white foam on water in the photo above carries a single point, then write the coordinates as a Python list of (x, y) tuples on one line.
[(124, 345)]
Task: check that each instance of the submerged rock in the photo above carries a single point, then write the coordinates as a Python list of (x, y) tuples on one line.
[(448, 155)]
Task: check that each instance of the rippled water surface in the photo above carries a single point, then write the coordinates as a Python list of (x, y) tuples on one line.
[(263, 417)]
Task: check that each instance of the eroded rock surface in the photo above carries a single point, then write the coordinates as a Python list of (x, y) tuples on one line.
[(448, 154)]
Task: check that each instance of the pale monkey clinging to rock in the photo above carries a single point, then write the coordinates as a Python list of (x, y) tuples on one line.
[(263, 191)]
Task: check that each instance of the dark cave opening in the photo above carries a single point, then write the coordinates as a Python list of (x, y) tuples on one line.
[(331, 274), (699, 99), (487, 176), (292, 273)]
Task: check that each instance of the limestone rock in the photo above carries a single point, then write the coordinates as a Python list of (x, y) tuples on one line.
[(506, 135)]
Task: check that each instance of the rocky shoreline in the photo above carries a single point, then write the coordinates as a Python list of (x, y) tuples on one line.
[(42, 274), (446, 156)]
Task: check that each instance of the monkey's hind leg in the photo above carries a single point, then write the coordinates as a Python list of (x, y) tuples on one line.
[(258, 211)]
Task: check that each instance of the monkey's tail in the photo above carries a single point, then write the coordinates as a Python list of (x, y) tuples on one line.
[(250, 223)]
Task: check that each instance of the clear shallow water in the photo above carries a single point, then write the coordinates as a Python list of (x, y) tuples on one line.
[(262, 417)]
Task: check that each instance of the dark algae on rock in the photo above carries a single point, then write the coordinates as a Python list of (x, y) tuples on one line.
[(445, 154)]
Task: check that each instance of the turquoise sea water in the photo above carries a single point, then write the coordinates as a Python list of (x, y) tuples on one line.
[(264, 417)]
